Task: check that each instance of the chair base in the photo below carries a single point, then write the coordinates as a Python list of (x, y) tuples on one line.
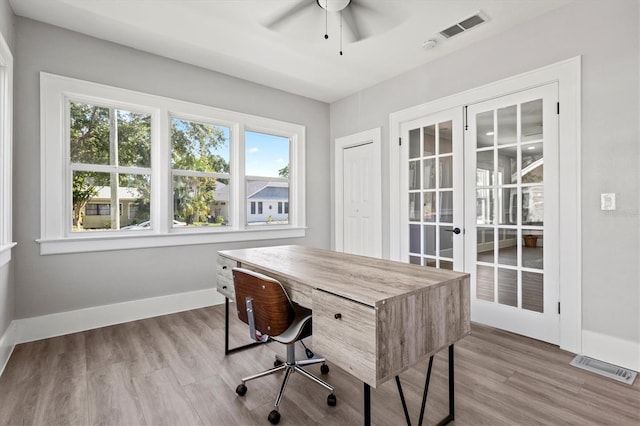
[(290, 366)]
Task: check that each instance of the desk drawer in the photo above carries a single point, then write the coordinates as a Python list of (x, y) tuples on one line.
[(345, 333), (224, 278)]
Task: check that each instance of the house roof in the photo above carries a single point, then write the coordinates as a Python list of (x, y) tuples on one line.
[(257, 190)]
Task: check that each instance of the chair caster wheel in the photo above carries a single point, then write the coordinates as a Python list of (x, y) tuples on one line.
[(331, 400), (277, 363), (241, 389), (274, 417), (324, 369)]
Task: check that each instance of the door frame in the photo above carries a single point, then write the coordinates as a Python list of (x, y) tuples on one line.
[(372, 136), (567, 74)]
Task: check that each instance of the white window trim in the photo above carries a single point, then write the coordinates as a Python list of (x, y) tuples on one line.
[(6, 151), (55, 233)]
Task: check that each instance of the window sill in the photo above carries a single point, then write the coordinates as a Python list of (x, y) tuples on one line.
[(90, 243), (5, 253)]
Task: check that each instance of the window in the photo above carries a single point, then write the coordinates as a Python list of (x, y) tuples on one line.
[(189, 173), (6, 142)]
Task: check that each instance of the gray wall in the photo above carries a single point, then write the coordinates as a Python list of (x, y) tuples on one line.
[(58, 283), (6, 281), (606, 34)]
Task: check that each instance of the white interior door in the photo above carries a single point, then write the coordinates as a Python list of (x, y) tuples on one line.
[(511, 165), (358, 194), (432, 177)]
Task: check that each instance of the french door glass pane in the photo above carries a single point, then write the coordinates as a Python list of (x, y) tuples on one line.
[(444, 135), (507, 165), (484, 206), (429, 173), (484, 171), (507, 125), (484, 129), (446, 172), (414, 143), (508, 247), (484, 242), (532, 163), (533, 205), (414, 206), (507, 287), (414, 238), (414, 174), (446, 264), (532, 291), (485, 283), (446, 206), (531, 120), (446, 241), (429, 141), (508, 206), (532, 248), (430, 239), (429, 210)]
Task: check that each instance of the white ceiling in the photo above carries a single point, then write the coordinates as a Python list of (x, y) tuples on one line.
[(233, 36)]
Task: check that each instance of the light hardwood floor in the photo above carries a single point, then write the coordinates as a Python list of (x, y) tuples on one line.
[(171, 370)]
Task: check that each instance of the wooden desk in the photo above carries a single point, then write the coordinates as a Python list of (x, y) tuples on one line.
[(374, 318)]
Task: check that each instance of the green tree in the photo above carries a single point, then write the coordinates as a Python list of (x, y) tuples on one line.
[(195, 147), (284, 172)]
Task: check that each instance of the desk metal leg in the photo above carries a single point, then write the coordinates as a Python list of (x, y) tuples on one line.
[(367, 405), (228, 351), (447, 419)]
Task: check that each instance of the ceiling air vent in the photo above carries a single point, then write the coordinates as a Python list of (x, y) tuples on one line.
[(464, 25)]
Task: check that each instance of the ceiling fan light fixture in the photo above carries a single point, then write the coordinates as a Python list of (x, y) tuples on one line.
[(333, 5)]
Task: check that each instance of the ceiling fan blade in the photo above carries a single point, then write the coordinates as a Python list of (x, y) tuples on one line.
[(289, 14), (350, 21)]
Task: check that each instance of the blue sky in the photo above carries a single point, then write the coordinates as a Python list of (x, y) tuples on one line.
[(265, 154)]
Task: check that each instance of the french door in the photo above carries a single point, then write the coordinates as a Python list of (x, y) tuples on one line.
[(432, 178), (511, 218)]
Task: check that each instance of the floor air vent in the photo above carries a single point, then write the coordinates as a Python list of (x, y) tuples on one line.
[(464, 25), (605, 369)]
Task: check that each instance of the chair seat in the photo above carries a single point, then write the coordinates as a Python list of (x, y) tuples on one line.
[(299, 329)]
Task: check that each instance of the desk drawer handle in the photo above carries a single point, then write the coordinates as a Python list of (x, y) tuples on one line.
[(337, 316), (224, 287), (224, 267)]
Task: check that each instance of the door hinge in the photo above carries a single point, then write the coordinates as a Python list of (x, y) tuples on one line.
[(400, 141), (558, 108), (558, 308)]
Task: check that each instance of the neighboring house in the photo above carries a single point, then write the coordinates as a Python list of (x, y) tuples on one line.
[(266, 201), (96, 214)]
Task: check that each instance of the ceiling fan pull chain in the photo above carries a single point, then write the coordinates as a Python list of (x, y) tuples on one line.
[(326, 13), (340, 33)]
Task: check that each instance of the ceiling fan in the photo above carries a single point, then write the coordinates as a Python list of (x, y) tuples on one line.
[(355, 15)]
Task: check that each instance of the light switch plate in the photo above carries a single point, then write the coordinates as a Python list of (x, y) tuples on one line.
[(608, 201)]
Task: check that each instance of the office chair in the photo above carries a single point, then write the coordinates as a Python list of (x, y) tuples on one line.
[(264, 305)]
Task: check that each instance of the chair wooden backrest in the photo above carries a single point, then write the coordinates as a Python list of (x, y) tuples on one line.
[(273, 311)]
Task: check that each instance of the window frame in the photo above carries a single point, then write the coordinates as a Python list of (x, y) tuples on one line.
[(56, 235), (6, 152)]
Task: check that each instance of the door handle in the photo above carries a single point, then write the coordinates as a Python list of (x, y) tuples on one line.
[(454, 230)]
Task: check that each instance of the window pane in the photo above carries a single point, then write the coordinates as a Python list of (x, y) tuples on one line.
[(414, 206), (430, 239), (446, 172), (262, 203), (484, 169), (508, 206), (266, 155), (446, 242), (484, 206), (134, 139), (507, 165), (485, 283), (93, 197), (533, 291), (89, 134), (193, 201), (199, 146), (532, 248), (446, 206), (414, 238)]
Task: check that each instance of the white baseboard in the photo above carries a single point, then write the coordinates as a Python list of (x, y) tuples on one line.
[(45, 326), (7, 343), (620, 352)]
